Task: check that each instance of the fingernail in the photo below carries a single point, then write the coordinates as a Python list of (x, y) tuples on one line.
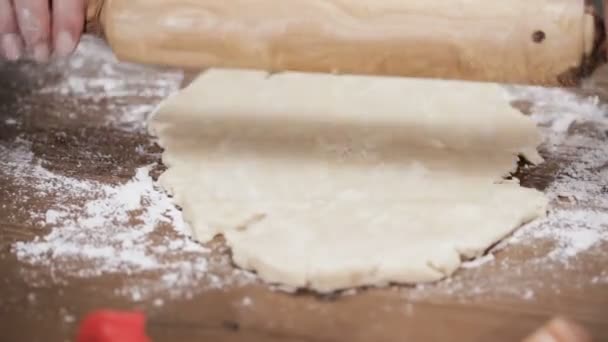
[(64, 44), (41, 53), (11, 45)]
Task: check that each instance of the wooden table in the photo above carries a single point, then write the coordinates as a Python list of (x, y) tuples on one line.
[(81, 138)]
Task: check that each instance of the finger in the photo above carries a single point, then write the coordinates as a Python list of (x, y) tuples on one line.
[(560, 330), (68, 23), (11, 46), (34, 21)]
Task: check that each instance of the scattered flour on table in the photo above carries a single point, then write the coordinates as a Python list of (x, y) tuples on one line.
[(578, 218), (577, 221), (96, 228), (134, 89), (246, 301)]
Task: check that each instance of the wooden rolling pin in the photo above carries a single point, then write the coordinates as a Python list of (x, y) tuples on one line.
[(547, 42)]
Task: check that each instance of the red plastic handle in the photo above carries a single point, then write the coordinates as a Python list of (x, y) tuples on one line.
[(113, 326)]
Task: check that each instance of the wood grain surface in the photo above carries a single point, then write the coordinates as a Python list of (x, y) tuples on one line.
[(72, 137)]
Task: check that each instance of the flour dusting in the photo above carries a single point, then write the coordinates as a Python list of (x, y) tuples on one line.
[(574, 130), (107, 230), (133, 96), (578, 216), (89, 227)]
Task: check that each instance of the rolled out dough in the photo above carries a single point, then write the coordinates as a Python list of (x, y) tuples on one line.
[(330, 182)]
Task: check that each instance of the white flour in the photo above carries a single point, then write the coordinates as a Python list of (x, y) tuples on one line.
[(108, 230), (134, 87), (95, 228), (578, 219), (576, 225)]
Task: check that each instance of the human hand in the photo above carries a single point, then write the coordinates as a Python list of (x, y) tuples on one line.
[(560, 330), (40, 29)]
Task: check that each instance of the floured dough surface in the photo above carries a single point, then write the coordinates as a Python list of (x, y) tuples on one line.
[(331, 182)]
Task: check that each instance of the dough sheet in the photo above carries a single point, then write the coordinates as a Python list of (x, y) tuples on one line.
[(329, 182)]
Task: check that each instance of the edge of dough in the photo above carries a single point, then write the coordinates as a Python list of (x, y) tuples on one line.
[(217, 95)]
